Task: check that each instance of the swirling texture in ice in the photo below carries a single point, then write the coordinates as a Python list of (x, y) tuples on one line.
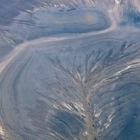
[(69, 70)]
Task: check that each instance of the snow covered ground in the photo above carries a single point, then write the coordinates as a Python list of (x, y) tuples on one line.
[(69, 70)]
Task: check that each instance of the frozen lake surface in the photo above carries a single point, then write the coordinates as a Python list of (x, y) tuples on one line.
[(69, 70)]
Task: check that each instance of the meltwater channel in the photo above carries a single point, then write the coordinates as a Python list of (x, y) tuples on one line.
[(69, 69)]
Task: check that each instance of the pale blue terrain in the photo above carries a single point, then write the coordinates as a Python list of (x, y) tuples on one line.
[(69, 70)]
